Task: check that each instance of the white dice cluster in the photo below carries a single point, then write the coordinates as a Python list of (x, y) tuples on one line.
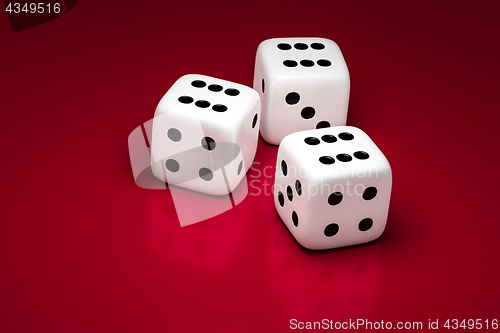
[(332, 184)]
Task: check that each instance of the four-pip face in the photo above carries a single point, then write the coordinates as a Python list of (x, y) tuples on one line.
[(303, 84)]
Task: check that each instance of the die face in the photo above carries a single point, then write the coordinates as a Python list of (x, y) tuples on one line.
[(345, 205), (318, 223), (336, 153), (213, 167), (285, 59), (217, 171), (303, 84), (313, 106), (206, 149), (210, 101)]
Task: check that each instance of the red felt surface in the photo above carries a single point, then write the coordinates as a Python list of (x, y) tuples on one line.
[(83, 249)]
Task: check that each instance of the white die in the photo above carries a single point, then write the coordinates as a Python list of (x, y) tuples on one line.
[(332, 187), (205, 134), (303, 84)]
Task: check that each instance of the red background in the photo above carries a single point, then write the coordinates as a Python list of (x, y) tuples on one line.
[(83, 249)]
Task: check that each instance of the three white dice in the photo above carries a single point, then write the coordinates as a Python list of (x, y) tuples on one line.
[(303, 84), (332, 187), (205, 134)]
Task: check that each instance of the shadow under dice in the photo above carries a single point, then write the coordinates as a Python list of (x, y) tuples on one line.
[(332, 187), (303, 84), (205, 134)]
